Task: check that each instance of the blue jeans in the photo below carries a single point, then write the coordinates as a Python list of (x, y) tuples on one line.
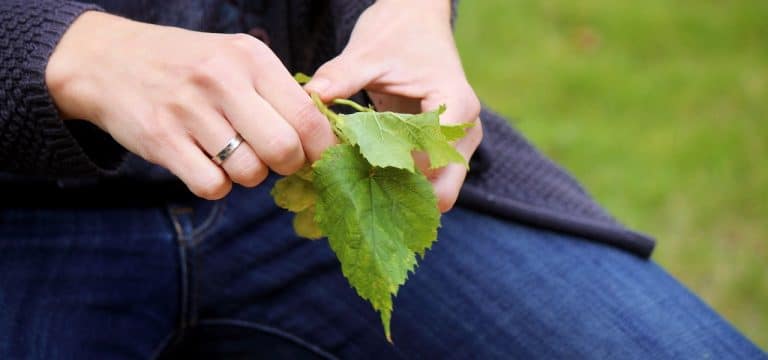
[(228, 279)]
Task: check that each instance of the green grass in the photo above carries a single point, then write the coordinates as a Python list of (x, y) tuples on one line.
[(660, 108)]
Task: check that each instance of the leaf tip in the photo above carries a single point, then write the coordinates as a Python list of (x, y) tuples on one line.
[(385, 319)]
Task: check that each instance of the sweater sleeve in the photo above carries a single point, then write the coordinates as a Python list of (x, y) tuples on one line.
[(34, 140)]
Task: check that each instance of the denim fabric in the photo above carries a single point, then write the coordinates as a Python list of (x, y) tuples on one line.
[(228, 279)]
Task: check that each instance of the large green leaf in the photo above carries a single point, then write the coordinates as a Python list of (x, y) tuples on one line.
[(367, 197), (376, 219), (387, 138)]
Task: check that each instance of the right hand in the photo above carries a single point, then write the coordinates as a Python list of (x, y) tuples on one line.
[(175, 97)]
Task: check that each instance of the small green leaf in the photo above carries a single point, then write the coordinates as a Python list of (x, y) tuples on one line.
[(388, 139), (305, 226), (376, 219), (455, 132), (305, 173), (293, 193)]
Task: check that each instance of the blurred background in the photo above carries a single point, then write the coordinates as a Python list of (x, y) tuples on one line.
[(660, 108)]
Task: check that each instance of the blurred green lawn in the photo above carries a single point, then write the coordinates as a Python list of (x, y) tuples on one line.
[(660, 108)]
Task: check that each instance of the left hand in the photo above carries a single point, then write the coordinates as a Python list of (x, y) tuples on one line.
[(403, 54)]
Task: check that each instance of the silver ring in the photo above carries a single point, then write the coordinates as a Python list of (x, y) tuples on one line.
[(232, 145)]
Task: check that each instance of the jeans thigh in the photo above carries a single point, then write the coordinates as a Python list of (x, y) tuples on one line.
[(488, 288), (86, 283), (499, 288)]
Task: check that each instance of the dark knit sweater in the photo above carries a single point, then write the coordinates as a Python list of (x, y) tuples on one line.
[(508, 178)]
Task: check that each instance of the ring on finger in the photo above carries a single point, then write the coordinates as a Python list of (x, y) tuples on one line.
[(228, 149)]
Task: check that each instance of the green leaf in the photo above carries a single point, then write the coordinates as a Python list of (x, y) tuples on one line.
[(388, 139), (294, 192), (366, 197), (305, 226), (376, 219), (455, 132), (305, 173)]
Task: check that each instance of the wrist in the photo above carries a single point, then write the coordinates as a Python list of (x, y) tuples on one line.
[(75, 63)]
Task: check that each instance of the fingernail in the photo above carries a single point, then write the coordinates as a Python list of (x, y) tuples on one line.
[(318, 85)]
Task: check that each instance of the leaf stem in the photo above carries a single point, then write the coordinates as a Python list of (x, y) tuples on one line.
[(333, 117), (351, 104)]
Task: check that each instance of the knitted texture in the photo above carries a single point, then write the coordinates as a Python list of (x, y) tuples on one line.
[(508, 177), (33, 138)]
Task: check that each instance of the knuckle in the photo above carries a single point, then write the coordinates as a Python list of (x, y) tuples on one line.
[(285, 154), (254, 54), (210, 73), (243, 40), (248, 172), (246, 44), (202, 72), (213, 187), (181, 104), (291, 167), (308, 121), (254, 177)]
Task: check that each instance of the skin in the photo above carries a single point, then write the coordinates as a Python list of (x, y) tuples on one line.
[(402, 52), (175, 97)]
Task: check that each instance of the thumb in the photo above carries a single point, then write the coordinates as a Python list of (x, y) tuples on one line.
[(341, 77)]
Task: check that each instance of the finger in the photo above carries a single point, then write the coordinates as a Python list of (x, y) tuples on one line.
[(447, 181), (342, 77), (213, 132), (459, 109), (448, 184), (396, 103), (244, 167), (275, 141), (188, 162), (461, 104), (278, 88), (222, 86), (421, 160)]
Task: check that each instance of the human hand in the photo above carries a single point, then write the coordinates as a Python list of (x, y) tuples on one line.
[(172, 95), (403, 54)]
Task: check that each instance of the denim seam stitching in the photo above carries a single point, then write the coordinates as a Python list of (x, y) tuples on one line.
[(193, 289), (198, 234), (182, 242), (177, 227), (270, 330)]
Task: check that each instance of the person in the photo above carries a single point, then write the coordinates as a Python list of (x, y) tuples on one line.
[(139, 144)]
